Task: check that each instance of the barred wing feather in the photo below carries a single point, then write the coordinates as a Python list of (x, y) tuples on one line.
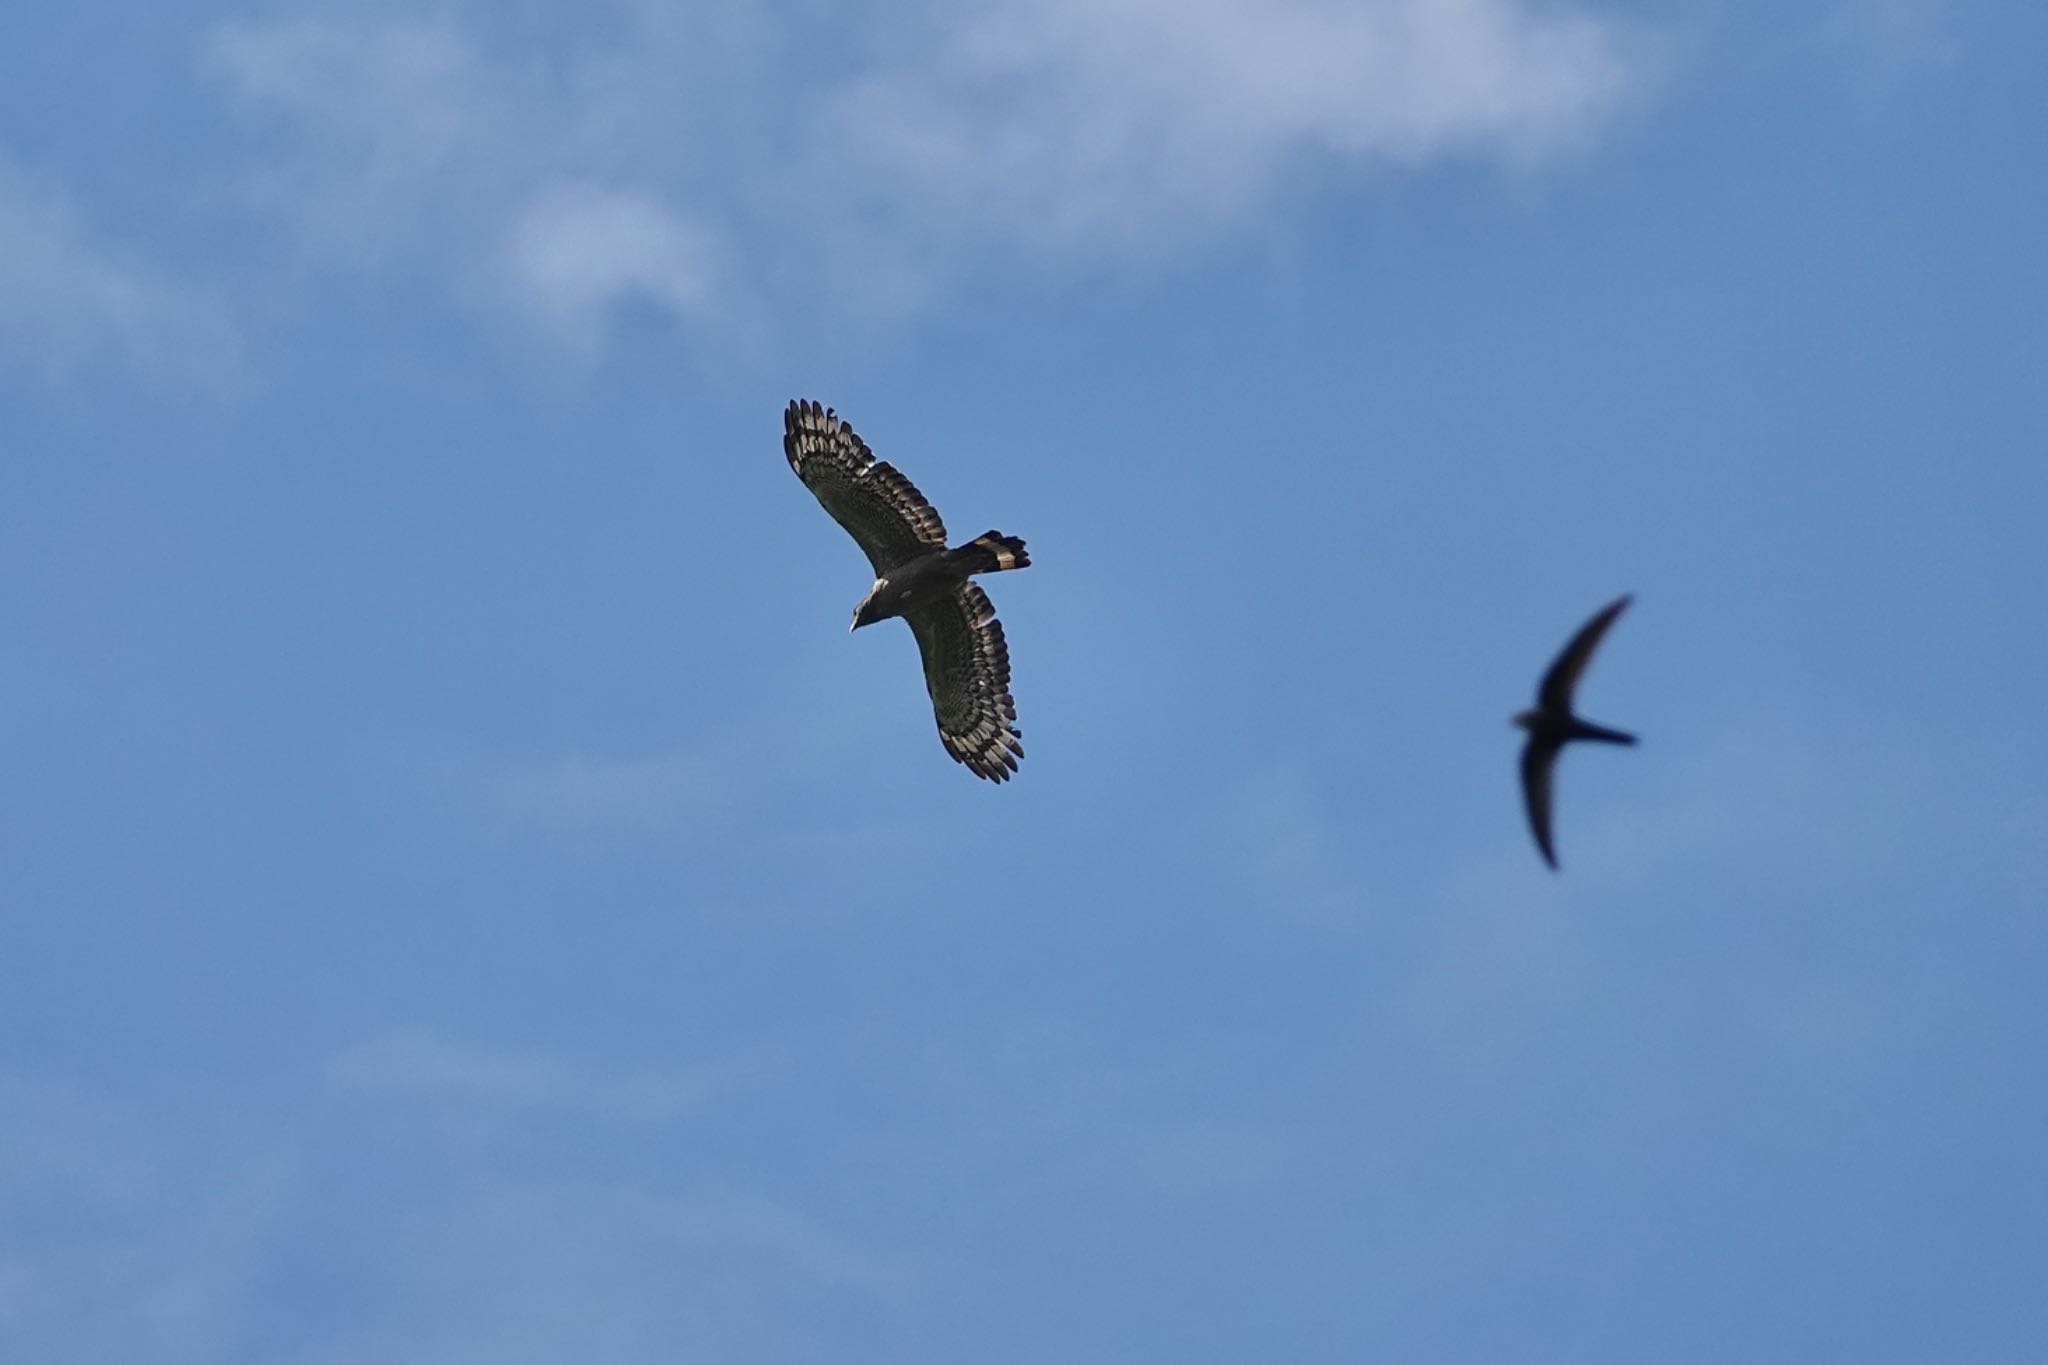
[(882, 510), (967, 672)]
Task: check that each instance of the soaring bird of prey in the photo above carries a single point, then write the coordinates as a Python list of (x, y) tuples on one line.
[(966, 662), (1551, 725)]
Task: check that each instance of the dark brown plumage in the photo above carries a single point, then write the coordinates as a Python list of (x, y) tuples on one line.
[(966, 659)]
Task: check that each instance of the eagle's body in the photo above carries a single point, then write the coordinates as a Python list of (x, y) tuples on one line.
[(905, 586), (917, 577), (935, 575)]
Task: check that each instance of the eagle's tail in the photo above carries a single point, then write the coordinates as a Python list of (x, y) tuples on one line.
[(993, 552)]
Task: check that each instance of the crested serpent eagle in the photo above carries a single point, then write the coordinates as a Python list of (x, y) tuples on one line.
[(966, 662)]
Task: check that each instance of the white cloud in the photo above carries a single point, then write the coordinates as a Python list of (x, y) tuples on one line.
[(1078, 123), (577, 251), (522, 183), (701, 160), (70, 301), (388, 125)]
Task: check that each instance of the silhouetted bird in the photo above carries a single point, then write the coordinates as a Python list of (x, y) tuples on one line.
[(966, 662), (1551, 725)]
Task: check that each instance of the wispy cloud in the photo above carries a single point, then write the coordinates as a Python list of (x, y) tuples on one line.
[(381, 128), (162, 1227), (1083, 125), (576, 252), (719, 160), (70, 300)]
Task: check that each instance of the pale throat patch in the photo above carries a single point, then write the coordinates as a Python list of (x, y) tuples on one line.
[(863, 604)]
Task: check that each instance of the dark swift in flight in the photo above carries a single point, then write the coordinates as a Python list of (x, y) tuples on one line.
[(966, 662), (1551, 725)]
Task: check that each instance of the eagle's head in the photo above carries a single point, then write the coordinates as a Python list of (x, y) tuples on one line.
[(869, 610), (1526, 719)]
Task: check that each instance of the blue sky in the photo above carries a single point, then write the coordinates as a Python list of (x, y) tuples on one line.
[(465, 897)]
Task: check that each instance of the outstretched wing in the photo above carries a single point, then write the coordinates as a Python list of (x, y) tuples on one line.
[(880, 509), (967, 672), (1555, 692), (1539, 768)]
